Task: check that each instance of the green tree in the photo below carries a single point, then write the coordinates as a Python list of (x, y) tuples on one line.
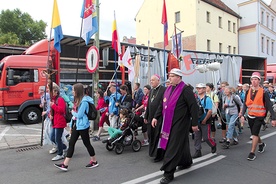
[(19, 28)]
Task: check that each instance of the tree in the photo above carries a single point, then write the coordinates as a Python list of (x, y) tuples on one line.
[(19, 28)]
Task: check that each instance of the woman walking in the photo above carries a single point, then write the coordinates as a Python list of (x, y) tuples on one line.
[(79, 127)]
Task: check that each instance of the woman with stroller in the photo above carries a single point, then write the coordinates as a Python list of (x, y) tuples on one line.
[(79, 127), (123, 124)]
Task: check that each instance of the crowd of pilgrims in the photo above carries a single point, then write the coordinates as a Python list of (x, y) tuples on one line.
[(118, 105)]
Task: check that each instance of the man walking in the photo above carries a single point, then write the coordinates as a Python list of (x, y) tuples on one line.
[(178, 107), (257, 102), (155, 99)]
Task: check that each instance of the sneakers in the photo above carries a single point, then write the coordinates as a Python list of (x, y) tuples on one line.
[(223, 140), (58, 157), (145, 143), (92, 164), (236, 141), (197, 154), (262, 148), (53, 150), (251, 137), (96, 138), (214, 149), (251, 156), (61, 167), (226, 145)]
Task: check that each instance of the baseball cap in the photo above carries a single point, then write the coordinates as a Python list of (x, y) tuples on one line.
[(176, 71), (200, 85), (256, 75), (266, 82)]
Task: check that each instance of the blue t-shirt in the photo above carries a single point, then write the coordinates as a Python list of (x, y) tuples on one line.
[(207, 106)]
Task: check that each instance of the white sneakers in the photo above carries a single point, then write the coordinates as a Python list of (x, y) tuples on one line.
[(53, 150), (58, 157)]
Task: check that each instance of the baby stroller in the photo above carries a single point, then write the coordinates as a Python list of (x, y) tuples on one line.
[(127, 138)]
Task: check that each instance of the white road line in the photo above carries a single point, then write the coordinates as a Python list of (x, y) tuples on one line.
[(4, 132), (159, 173), (38, 129), (265, 136), (16, 135), (203, 164)]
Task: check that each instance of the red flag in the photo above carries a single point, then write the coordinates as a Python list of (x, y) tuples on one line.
[(164, 21), (116, 45)]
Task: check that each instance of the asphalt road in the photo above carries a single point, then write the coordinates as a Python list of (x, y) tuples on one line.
[(33, 165)]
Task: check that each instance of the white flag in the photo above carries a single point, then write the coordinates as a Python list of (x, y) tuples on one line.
[(127, 62)]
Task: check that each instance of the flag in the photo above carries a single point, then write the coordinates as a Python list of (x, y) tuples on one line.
[(116, 45), (177, 50), (164, 21), (115, 38), (89, 20), (127, 62), (58, 35)]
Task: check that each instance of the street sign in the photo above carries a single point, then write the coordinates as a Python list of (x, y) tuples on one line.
[(92, 59)]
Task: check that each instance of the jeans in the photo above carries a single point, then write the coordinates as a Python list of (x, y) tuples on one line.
[(231, 122), (56, 135)]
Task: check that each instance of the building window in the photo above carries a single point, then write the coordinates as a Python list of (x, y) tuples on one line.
[(220, 22), (220, 47), (262, 17), (267, 46), (272, 48), (262, 44), (267, 20), (229, 49), (234, 27), (177, 17), (208, 17), (208, 45), (234, 50), (272, 24), (229, 25)]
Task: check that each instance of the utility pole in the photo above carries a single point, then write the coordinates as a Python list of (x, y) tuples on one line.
[(97, 44)]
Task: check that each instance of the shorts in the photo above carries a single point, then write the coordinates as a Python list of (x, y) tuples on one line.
[(255, 125)]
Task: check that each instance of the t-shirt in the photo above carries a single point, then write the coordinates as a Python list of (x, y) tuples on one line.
[(207, 106)]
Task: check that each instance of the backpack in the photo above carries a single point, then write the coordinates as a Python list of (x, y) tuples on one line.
[(92, 112), (68, 115), (201, 109)]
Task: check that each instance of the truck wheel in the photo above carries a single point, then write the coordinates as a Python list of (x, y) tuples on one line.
[(31, 115)]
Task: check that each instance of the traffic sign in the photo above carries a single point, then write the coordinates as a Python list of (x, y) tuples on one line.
[(92, 59)]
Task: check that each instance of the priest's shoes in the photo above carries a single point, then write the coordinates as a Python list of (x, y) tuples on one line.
[(166, 180)]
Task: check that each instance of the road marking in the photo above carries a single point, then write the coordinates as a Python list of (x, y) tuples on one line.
[(179, 173), (38, 129), (265, 136), (4, 132), (159, 173), (16, 135)]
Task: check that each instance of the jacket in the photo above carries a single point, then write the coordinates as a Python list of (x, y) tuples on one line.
[(112, 100), (59, 112), (81, 119)]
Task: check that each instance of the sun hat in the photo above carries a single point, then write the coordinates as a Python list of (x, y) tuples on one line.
[(200, 85)]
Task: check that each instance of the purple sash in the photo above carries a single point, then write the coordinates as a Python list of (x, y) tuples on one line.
[(169, 102)]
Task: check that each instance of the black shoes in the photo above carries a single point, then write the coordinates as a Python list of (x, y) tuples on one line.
[(197, 154), (166, 180), (226, 145), (158, 159), (262, 148), (182, 167), (214, 149)]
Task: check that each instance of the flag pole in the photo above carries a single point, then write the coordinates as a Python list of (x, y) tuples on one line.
[(77, 69), (176, 42), (148, 61)]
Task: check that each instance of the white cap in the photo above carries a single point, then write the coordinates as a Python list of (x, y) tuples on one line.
[(176, 71), (201, 85), (239, 84)]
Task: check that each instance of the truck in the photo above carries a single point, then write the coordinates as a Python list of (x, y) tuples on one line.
[(20, 78), (271, 73)]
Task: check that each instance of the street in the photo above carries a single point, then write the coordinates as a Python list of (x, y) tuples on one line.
[(33, 164)]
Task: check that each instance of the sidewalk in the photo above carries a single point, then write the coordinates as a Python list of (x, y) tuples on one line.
[(13, 136)]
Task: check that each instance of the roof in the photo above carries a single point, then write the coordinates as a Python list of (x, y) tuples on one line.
[(220, 5)]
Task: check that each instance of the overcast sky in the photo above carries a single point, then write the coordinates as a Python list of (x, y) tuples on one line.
[(69, 12)]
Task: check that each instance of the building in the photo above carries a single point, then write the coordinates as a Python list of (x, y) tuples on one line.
[(257, 34), (208, 25)]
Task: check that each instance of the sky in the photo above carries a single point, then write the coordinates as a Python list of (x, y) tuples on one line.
[(69, 12)]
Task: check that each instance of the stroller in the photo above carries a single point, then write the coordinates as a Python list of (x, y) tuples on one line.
[(127, 138)]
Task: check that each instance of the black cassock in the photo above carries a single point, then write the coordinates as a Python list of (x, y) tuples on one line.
[(177, 152), (155, 99)]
